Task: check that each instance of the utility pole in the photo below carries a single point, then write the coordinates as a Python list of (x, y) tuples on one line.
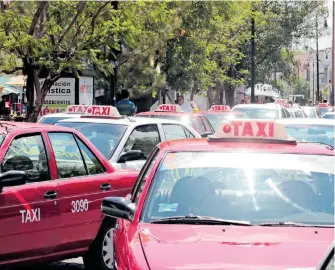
[(317, 60), (253, 54), (333, 57), (113, 77)]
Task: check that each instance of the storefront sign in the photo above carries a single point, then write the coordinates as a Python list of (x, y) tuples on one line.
[(86, 90), (61, 92)]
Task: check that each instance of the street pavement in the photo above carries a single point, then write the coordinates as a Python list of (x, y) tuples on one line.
[(72, 264)]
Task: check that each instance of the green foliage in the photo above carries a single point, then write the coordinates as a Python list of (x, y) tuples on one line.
[(283, 26), (300, 87), (208, 45)]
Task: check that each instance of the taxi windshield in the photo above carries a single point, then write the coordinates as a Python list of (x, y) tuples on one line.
[(217, 118), (258, 113), (329, 116), (310, 111), (312, 133), (324, 110), (2, 136), (51, 120), (267, 188), (105, 137)]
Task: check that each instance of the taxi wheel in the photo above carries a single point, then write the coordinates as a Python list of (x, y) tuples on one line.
[(100, 255)]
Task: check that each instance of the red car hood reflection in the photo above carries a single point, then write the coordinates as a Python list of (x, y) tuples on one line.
[(194, 247)]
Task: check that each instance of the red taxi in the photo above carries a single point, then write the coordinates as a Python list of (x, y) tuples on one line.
[(247, 198), (174, 112), (218, 113), (52, 182)]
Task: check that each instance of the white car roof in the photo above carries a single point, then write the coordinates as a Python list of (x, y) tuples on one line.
[(306, 121), (125, 121), (268, 105)]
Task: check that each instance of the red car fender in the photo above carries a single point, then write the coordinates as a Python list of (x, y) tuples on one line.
[(128, 248)]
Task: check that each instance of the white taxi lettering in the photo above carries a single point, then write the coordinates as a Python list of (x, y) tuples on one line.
[(79, 206), (30, 215)]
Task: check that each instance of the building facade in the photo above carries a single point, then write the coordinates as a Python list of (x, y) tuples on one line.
[(306, 69)]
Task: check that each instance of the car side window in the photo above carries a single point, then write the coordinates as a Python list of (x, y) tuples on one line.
[(92, 163), (143, 138), (68, 156), (208, 125), (188, 133), (284, 115), (28, 154), (143, 176), (201, 126), (173, 132)]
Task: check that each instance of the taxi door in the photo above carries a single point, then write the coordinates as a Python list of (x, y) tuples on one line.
[(83, 184), (29, 213)]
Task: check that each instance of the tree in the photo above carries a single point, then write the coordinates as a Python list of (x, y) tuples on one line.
[(283, 26), (57, 37), (200, 58), (300, 87)]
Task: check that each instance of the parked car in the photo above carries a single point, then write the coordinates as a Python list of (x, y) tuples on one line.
[(52, 183)]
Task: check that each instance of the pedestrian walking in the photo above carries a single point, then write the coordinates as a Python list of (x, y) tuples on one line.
[(125, 106), (185, 106)]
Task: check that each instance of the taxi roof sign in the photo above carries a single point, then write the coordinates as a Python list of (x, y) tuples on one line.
[(219, 108), (169, 108), (287, 105), (102, 111), (281, 101), (323, 105), (252, 129), (76, 109)]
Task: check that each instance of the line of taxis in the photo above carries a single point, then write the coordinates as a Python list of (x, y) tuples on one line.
[(245, 196)]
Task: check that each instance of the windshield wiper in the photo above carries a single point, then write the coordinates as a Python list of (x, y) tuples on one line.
[(291, 224), (191, 219)]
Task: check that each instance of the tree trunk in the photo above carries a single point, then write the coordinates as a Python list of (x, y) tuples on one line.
[(210, 96), (194, 90), (230, 95), (41, 93)]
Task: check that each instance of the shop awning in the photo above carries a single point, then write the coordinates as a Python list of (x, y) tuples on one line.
[(5, 90), (264, 90), (16, 81)]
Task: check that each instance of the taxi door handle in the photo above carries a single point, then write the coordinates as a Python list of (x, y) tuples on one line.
[(105, 186), (50, 194)]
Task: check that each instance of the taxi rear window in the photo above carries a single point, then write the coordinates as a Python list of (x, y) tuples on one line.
[(184, 119), (258, 113), (105, 137), (51, 120), (312, 133), (247, 186)]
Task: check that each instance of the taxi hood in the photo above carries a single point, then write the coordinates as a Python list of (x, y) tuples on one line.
[(196, 247)]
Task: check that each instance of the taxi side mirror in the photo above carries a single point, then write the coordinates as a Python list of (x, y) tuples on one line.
[(12, 178), (131, 155), (206, 134), (118, 207)]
